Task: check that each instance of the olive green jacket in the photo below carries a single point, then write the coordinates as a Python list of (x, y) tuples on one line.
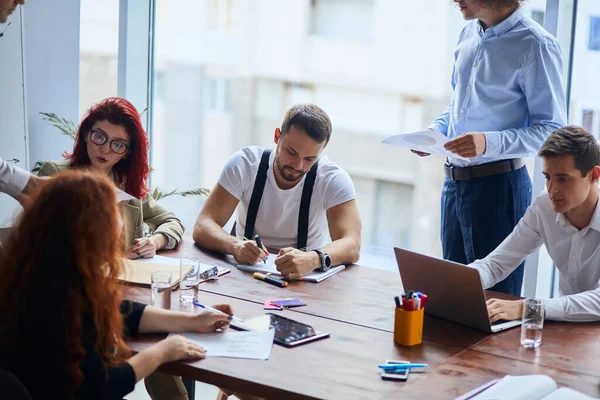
[(135, 213)]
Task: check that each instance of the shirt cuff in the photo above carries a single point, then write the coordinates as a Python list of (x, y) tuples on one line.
[(171, 241), (492, 144), (554, 309), (17, 181)]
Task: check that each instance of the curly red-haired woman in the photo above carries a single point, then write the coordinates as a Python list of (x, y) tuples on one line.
[(61, 315), (112, 141)]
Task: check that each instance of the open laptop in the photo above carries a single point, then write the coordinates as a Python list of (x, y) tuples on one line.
[(454, 291)]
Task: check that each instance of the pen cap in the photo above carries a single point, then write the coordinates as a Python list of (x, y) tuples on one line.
[(408, 327)]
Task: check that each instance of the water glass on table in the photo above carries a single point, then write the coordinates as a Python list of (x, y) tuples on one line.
[(189, 269), (161, 289), (533, 323)]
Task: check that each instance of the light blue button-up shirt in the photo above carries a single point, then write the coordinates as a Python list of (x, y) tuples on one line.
[(507, 83)]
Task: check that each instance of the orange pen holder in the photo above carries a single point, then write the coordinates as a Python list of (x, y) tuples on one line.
[(408, 327)]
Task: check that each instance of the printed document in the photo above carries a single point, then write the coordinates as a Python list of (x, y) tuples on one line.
[(248, 344), (426, 141)]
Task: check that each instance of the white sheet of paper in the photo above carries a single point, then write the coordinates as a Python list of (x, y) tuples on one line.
[(270, 267), (251, 345), (426, 141), (160, 260), (123, 196)]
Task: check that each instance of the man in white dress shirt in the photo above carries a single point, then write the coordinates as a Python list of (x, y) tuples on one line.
[(17, 182), (567, 221)]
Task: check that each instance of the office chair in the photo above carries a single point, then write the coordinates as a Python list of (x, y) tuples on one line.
[(11, 387)]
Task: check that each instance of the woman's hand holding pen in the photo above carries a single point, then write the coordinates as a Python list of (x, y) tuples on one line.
[(247, 252), (210, 321), (294, 263)]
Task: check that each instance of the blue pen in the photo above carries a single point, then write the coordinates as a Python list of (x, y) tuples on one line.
[(230, 317), (388, 367)]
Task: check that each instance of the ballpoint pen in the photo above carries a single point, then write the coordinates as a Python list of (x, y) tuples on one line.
[(259, 244), (217, 311), (388, 367)]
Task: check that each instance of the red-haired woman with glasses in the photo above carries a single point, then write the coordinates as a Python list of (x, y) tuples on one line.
[(112, 141)]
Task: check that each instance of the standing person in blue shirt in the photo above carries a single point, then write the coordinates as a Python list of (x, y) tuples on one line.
[(507, 98)]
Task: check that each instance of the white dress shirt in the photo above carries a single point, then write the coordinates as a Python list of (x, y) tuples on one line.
[(12, 179), (575, 252)]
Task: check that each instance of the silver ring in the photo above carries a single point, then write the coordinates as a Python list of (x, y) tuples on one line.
[(190, 353)]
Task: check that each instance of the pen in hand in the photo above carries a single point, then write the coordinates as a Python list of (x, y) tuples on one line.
[(230, 317), (259, 244)]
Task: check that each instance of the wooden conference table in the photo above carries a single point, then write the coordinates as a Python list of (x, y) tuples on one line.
[(357, 307)]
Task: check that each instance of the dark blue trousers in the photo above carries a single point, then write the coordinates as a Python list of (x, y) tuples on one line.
[(477, 215)]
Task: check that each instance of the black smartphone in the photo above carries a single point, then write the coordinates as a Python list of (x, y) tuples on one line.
[(399, 375)]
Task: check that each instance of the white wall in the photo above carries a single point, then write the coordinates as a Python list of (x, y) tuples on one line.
[(13, 133), (51, 30)]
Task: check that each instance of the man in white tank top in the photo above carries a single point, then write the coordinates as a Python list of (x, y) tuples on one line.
[(330, 233)]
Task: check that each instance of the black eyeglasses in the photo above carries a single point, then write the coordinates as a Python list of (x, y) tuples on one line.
[(99, 138)]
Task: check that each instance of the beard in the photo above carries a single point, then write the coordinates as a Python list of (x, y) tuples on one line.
[(288, 173)]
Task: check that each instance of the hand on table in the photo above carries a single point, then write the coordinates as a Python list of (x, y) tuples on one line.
[(504, 309), (146, 247), (177, 347), (293, 263)]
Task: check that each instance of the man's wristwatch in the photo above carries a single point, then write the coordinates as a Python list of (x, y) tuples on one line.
[(325, 261)]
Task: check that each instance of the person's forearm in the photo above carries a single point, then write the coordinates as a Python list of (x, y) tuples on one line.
[(343, 251), (156, 319), (160, 241), (210, 235), (146, 362), (580, 307)]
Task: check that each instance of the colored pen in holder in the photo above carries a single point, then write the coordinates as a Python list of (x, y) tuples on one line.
[(408, 320)]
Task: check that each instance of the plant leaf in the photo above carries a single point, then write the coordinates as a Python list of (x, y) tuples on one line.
[(64, 125), (157, 194)]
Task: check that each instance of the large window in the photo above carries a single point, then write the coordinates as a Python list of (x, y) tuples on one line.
[(226, 84), (594, 43), (584, 109), (99, 45)]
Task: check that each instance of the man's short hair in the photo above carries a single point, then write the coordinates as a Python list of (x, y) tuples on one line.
[(310, 119), (500, 4), (573, 141)]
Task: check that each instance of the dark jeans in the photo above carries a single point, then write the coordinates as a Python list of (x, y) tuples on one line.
[(477, 215)]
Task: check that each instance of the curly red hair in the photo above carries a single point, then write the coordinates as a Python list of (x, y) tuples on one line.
[(131, 173), (71, 261)]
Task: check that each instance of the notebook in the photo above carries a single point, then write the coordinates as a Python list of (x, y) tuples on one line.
[(525, 387), (139, 272), (269, 266)]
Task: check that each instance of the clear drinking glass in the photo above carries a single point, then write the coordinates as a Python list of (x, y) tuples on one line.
[(189, 269), (533, 323), (161, 289)]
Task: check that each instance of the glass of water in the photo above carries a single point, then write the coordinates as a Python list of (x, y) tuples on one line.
[(189, 269), (533, 323), (161, 289)]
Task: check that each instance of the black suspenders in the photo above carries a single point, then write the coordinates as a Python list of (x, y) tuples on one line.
[(257, 192)]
